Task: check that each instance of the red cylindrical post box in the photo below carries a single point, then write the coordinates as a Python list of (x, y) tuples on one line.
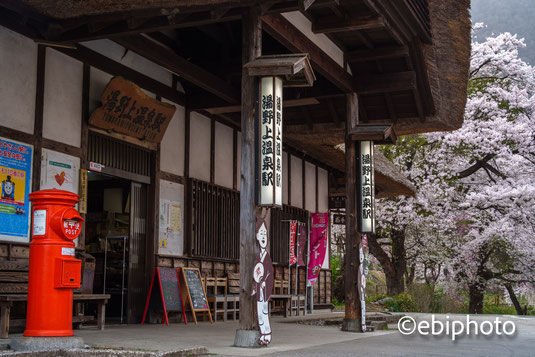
[(54, 272)]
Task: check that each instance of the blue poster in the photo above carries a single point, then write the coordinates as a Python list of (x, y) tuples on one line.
[(15, 185)]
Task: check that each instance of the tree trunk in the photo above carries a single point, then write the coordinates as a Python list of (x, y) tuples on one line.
[(512, 295), (476, 295), (395, 267)]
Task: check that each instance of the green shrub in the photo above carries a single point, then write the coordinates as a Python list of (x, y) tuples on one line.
[(393, 306), (375, 298), (405, 302), (498, 309)]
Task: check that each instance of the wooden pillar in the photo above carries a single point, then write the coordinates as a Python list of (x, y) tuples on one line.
[(38, 120), (247, 333), (352, 320)]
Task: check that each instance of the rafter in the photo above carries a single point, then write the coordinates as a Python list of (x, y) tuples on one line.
[(286, 33), (377, 54), (388, 82), (180, 66), (332, 24)]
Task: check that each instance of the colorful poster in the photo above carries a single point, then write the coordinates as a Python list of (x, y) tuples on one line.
[(302, 244), (293, 232), (15, 185), (318, 245)]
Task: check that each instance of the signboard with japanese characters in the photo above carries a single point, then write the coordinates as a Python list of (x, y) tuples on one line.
[(128, 110), (270, 142), (366, 192)]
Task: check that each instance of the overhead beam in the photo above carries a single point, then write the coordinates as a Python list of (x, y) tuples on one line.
[(388, 82), (180, 66), (287, 34), (332, 24), (377, 54), (290, 103)]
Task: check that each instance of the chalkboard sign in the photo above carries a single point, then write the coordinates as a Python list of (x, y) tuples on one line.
[(195, 292), (166, 295), (170, 289)]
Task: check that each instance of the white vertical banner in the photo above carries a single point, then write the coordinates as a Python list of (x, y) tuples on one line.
[(278, 141), (270, 142), (366, 199)]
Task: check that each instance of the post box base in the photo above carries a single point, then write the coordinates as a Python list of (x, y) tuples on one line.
[(48, 333), (46, 343)]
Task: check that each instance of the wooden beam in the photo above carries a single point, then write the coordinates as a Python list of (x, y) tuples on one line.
[(287, 34), (107, 65), (332, 24), (388, 82), (251, 49), (352, 320), (377, 54), (290, 103), (99, 27), (180, 66), (38, 118)]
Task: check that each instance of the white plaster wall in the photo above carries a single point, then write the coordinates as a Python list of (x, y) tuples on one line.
[(323, 190), (62, 111), (130, 59), (310, 187), (223, 155), (285, 177), (173, 143), (97, 83), (238, 168), (296, 199), (322, 41), (199, 162), (18, 79)]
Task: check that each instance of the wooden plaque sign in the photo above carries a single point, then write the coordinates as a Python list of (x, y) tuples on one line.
[(196, 295), (128, 110), (166, 295)]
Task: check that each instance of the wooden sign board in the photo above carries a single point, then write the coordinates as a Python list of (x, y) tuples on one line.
[(128, 110), (194, 290), (167, 294)]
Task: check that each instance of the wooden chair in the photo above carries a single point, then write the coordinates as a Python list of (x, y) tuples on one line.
[(216, 290)]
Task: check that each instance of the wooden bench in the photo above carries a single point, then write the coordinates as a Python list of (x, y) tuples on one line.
[(7, 300), (221, 303)]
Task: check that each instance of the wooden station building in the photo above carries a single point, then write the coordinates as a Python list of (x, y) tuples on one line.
[(401, 64)]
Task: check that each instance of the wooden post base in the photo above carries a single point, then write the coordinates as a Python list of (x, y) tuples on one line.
[(246, 338), (352, 325)]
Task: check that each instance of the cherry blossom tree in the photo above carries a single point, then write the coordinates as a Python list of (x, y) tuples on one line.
[(475, 211)]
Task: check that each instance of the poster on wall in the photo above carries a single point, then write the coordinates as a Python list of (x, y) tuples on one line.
[(60, 171), (15, 182), (318, 245), (171, 218)]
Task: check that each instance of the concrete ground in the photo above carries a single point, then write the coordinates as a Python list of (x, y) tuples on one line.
[(292, 339)]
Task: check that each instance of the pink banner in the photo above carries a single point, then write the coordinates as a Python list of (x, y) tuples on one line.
[(318, 245), (293, 232)]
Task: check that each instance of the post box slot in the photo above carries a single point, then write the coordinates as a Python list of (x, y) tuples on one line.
[(68, 273)]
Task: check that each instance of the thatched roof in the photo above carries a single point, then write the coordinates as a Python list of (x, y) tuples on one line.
[(448, 60), (389, 181)]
